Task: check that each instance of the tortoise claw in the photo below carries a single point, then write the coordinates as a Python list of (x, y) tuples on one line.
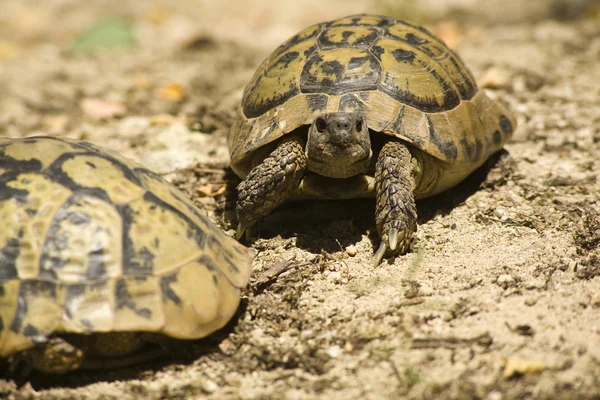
[(241, 229), (393, 238), (379, 253)]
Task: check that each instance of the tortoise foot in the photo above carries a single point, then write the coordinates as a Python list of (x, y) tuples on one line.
[(270, 183), (55, 356), (396, 213)]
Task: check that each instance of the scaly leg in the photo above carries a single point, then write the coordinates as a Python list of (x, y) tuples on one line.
[(271, 182), (55, 356), (396, 213)]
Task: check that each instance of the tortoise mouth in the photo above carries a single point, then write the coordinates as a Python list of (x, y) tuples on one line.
[(340, 167), (331, 159)]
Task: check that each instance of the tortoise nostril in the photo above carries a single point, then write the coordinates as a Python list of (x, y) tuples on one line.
[(342, 125)]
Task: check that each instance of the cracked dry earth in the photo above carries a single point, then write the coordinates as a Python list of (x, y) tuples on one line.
[(498, 299)]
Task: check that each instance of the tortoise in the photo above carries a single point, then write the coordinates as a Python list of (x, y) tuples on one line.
[(362, 106), (99, 256)]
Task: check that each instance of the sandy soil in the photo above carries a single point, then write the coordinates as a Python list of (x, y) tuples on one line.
[(500, 296)]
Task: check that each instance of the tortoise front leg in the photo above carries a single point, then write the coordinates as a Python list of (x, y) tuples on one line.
[(271, 182), (396, 213)]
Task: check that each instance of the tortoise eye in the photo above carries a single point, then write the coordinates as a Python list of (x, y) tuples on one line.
[(321, 124), (359, 124)]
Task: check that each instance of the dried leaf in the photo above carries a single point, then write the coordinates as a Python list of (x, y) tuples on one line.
[(516, 366), (171, 92), (99, 109), (211, 190)]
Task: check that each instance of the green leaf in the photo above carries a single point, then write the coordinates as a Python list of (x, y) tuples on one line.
[(108, 33)]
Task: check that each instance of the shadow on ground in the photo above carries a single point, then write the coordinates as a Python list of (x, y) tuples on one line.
[(179, 355), (332, 225)]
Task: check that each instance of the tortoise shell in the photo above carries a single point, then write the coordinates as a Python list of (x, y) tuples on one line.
[(93, 242), (404, 80)]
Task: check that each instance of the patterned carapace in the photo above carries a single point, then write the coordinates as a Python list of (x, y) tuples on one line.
[(405, 81), (93, 242)]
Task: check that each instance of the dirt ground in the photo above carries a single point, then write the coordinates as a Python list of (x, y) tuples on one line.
[(499, 297)]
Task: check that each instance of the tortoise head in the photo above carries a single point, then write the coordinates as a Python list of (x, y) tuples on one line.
[(338, 145)]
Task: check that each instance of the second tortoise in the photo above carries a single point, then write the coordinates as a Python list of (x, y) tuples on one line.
[(100, 258)]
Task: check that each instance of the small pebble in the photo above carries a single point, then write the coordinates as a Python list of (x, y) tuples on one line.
[(334, 351), (533, 284), (425, 291), (505, 281), (335, 277), (531, 301), (208, 386), (501, 213), (494, 78), (306, 334), (595, 302), (227, 347), (351, 250), (494, 396)]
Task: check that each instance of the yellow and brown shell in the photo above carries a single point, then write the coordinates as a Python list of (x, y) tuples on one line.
[(404, 80), (93, 242)]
